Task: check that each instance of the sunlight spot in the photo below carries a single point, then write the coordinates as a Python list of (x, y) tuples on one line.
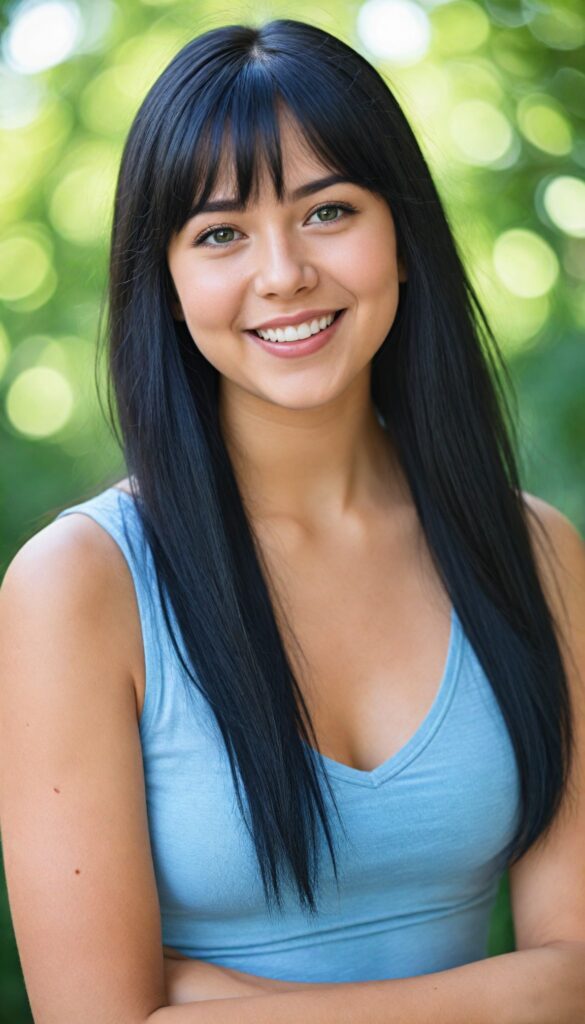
[(564, 201), (525, 263), (544, 126), (480, 131), (42, 35), (395, 30), (39, 402), (25, 263)]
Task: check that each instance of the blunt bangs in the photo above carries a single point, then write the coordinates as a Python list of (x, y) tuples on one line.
[(232, 134)]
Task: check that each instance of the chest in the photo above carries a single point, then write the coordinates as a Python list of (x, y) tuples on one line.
[(373, 621)]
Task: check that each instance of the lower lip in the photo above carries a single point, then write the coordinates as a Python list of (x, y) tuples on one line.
[(295, 349)]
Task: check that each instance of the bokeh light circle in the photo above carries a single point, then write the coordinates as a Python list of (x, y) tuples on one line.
[(544, 126), (81, 203), (564, 202), (394, 30), (460, 26), (42, 35), (525, 263), (25, 264), (39, 402), (482, 134), (557, 26)]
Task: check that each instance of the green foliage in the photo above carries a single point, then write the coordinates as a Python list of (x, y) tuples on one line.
[(501, 935), (498, 103)]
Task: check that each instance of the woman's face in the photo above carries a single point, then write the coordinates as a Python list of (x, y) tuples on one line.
[(270, 261)]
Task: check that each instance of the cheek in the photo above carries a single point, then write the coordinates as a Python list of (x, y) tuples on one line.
[(365, 261), (377, 268), (209, 299)]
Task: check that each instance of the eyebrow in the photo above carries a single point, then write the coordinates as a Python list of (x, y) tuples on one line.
[(232, 205)]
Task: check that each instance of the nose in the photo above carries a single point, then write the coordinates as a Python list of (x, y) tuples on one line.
[(283, 267)]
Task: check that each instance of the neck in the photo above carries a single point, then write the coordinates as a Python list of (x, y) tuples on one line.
[(319, 467)]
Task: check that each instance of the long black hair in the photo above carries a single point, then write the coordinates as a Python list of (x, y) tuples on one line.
[(437, 385)]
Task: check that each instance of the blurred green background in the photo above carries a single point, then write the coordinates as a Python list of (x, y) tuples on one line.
[(496, 93)]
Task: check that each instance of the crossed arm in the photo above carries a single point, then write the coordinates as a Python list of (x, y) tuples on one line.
[(545, 985)]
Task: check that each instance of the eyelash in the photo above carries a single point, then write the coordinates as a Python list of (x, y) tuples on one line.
[(347, 208)]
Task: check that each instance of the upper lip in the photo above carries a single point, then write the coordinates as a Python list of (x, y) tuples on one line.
[(294, 318)]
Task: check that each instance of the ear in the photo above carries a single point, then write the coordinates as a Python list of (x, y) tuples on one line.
[(402, 273)]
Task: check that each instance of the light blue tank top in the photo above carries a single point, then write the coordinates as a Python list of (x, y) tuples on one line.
[(425, 833)]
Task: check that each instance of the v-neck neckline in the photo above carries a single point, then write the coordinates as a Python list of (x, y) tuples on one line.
[(423, 734)]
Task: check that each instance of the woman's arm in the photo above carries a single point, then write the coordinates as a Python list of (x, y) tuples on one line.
[(532, 986), (191, 981), (75, 840)]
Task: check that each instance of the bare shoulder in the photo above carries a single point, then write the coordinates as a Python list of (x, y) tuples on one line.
[(73, 552), (557, 525), (123, 485), (77, 566), (558, 546)]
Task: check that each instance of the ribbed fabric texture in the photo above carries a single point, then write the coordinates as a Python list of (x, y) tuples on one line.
[(426, 832)]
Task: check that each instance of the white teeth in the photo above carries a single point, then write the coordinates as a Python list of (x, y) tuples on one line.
[(299, 332)]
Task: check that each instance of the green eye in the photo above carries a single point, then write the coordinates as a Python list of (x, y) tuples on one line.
[(330, 206), (214, 231), (346, 208), (219, 230)]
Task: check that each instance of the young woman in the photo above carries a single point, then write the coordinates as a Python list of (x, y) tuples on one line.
[(285, 702)]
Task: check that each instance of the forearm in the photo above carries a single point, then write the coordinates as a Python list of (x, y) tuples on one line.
[(535, 986)]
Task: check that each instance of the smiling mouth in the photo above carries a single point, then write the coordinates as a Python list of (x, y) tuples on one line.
[(292, 341)]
